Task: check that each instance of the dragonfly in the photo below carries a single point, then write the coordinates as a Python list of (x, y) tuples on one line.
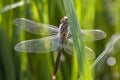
[(59, 38)]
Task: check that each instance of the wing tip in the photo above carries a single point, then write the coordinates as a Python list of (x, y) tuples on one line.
[(16, 20), (104, 34), (16, 47)]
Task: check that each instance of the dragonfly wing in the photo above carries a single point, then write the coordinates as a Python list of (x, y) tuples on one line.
[(42, 45), (91, 35), (35, 28), (68, 47)]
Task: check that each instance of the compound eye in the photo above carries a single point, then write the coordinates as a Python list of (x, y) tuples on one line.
[(64, 19)]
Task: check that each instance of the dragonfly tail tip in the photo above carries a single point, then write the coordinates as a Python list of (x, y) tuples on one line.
[(53, 77)]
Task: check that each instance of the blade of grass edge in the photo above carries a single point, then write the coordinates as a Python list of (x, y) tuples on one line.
[(12, 6), (102, 57), (78, 41)]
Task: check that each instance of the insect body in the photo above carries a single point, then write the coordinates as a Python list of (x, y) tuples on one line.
[(60, 38)]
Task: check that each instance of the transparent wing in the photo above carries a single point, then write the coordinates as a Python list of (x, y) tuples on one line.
[(35, 28), (91, 35), (68, 47), (41, 45)]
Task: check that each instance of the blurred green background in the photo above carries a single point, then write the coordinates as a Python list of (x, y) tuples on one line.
[(92, 14)]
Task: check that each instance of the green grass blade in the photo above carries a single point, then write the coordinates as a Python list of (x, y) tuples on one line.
[(102, 57), (12, 6), (78, 41), (6, 61)]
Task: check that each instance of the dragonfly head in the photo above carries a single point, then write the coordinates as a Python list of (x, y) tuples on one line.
[(64, 19)]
